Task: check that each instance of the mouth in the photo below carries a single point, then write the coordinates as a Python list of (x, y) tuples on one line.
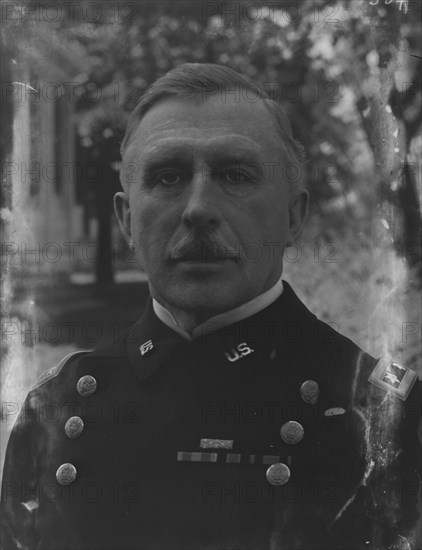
[(204, 253)]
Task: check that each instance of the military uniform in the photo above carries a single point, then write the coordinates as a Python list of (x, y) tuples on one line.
[(275, 432)]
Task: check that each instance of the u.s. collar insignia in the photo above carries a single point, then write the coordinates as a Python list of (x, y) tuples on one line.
[(238, 352), (393, 378), (146, 347)]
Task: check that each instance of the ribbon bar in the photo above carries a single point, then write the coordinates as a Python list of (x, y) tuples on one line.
[(227, 458)]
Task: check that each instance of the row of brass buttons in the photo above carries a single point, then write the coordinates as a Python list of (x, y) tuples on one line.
[(291, 432)]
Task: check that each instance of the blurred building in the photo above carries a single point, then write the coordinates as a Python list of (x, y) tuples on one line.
[(43, 220)]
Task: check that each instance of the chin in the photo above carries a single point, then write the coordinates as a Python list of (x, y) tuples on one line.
[(206, 297)]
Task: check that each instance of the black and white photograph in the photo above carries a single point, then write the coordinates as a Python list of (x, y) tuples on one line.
[(211, 278)]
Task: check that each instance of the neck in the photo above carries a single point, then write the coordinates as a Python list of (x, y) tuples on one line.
[(189, 320)]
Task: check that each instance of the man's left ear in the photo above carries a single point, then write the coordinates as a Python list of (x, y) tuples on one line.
[(298, 214)]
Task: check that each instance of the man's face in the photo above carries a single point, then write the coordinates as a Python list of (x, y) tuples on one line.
[(207, 202)]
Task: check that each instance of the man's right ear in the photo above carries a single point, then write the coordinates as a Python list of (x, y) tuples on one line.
[(122, 210)]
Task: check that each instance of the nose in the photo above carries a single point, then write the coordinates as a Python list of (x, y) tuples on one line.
[(202, 204)]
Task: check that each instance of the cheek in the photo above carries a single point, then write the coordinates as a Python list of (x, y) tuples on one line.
[(278, 222), (143, 213), (151, 227), (269, 218)]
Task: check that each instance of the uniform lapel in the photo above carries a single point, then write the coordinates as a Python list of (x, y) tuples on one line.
[(151, 344)]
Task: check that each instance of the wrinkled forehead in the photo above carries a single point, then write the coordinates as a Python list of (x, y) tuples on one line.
[(214, 124), (208, 145)]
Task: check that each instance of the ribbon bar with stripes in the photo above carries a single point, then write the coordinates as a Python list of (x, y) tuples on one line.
[(226, 458)]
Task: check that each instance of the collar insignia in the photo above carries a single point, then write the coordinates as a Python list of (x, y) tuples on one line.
[(146, 347), (241, 350)]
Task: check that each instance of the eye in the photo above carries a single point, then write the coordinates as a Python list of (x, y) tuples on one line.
[(168, 177), (237, 175)]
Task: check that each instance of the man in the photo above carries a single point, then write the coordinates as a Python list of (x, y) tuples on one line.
[(229, 417)]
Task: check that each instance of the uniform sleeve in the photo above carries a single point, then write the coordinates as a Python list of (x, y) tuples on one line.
[(385, 510), (407, 473), (20, 490)]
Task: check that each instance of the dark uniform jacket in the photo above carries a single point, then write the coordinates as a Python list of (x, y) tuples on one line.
[(267, 434)]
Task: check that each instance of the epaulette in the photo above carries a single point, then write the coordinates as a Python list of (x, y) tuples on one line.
[(393, 378), (54, 371)]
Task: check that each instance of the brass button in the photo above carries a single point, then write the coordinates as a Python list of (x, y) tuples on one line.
[(86, 385), (309, 391), (278, 474), (66, 474), (292, 432), (74, 427)]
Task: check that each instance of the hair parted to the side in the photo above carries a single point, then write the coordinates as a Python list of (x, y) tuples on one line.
[(203, 80)]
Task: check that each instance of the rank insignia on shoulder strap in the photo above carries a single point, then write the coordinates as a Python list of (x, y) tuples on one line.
[(393, 378)]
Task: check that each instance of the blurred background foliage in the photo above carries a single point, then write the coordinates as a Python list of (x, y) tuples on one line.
[(348, 74), (326, 62)]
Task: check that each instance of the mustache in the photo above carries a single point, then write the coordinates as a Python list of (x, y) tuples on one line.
[(204, 247)]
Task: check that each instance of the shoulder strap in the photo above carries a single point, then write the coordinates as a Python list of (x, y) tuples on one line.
[(54, 371)]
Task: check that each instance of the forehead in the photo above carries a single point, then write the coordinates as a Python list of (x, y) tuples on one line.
[(212, 123)]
